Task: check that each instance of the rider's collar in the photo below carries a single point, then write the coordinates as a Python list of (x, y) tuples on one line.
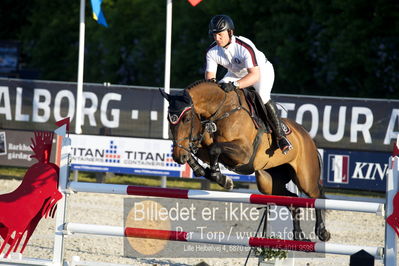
[(232, 40), (175, 118)]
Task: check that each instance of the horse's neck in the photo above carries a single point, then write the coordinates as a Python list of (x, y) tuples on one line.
[(206, 98)]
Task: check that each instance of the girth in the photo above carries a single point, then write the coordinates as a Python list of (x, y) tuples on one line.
[(247, 169)]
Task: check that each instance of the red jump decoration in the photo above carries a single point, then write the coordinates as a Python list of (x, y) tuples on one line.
[(393, 219), (36, 197)]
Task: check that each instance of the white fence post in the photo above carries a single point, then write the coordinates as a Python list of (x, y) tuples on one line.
[(63, 150)]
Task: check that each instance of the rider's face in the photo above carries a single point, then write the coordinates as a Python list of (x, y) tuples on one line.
[(222, 38)]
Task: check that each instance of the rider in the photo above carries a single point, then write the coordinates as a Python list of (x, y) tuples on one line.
[(246, 65)]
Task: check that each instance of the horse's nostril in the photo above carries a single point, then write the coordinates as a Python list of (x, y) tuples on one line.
[(176, 158), (183, 158)]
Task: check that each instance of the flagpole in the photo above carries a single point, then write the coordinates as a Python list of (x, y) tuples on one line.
[(165, 132), (165, 127), (58, 254), (79, 92)]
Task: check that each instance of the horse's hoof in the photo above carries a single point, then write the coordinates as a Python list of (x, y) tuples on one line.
[(324, 235), (229, 185), (222, 180), (199, 172), (300, 236)]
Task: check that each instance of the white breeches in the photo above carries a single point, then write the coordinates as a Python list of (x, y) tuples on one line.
[(263, 86)]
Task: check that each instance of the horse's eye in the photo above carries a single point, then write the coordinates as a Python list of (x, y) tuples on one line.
[(186, 119)]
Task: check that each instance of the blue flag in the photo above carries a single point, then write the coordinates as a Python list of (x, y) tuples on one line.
[(97, 13)]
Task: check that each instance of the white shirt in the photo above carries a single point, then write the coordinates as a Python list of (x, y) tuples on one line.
[(237, 57)]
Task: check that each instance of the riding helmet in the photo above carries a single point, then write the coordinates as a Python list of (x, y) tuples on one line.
[(220, 23)]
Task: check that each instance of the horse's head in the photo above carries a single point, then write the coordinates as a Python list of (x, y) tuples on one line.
[(185, 125)]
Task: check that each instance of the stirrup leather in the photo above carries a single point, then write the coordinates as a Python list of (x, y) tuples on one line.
[(284, 144)]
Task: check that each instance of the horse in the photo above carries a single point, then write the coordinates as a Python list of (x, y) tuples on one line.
[(218, 127)]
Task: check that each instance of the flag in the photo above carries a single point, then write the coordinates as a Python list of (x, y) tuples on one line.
[(98, 13), (338, 169), (194, 2)]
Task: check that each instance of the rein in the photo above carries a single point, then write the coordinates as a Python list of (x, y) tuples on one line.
[(210, 124)]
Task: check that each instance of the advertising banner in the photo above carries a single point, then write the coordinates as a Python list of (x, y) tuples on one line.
[(358, 133), (125, 155), (342, 168), (15, 148), (345, 123), (136, 156), (133, 111), (151, 157), (108, 110), (355, 169)]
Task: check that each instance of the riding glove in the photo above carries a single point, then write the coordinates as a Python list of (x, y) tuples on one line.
[(227, 87)]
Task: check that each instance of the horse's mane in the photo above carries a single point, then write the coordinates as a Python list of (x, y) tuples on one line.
[(198, 82)]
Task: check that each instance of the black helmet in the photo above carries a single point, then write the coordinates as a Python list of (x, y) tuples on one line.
[(220, 23)]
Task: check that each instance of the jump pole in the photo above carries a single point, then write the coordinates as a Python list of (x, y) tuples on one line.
[(328, 204), (306, 246)]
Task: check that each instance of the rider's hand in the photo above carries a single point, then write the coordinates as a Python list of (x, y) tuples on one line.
[(227, 87)]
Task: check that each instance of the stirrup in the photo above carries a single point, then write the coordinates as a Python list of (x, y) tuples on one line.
[(285, 145)]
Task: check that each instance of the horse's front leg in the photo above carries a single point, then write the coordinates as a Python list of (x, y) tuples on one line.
[(198, 170), (213, 173)]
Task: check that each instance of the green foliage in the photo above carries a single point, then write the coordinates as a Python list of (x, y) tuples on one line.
[(51, 39), (357, 48), (13, 17), (337, 47), (270, 253)]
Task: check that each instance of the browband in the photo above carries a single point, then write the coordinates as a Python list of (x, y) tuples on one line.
[(175, 119)]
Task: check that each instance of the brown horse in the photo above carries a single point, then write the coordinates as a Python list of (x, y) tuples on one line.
[(217, 127)]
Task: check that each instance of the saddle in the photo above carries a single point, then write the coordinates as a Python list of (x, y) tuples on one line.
[(257, 109), (259, 113)]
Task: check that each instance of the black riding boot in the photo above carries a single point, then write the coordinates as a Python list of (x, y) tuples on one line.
[(282, 142)]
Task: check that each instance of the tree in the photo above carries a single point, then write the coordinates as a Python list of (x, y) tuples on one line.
[(50, 39), (338, 48), (13, 17), (356, 48)]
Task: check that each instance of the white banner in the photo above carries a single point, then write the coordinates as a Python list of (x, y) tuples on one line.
[(125, 155), (139, 156)]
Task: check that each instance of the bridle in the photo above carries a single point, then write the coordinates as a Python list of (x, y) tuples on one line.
[(207, 125), (194, 142)]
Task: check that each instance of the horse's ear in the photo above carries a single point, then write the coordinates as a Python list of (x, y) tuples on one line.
[(185, 93), (164, 94)]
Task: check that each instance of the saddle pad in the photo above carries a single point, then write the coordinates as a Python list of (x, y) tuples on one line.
[(250, 97), (253, 100)]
